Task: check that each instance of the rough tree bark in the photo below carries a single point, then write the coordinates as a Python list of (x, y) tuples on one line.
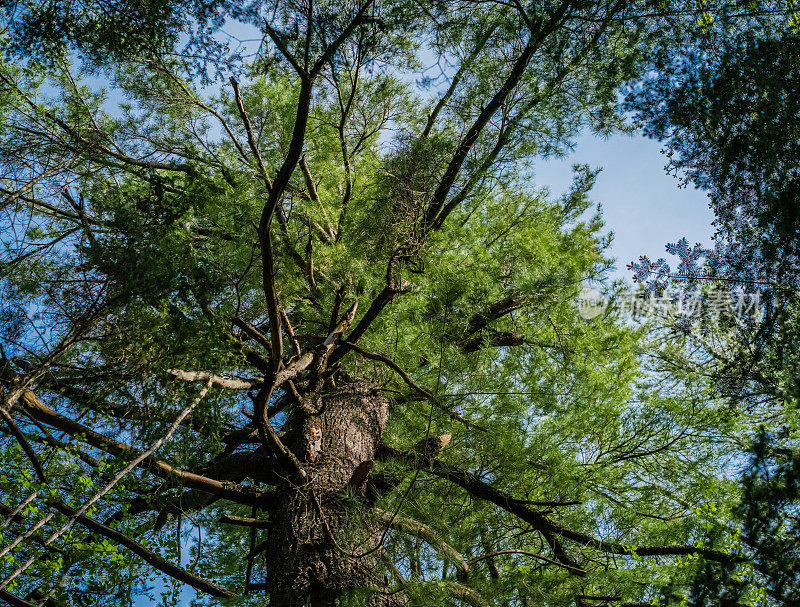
[(322, 557)]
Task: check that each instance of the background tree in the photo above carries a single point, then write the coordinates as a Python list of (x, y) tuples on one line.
[(726, 107), (323, 321)]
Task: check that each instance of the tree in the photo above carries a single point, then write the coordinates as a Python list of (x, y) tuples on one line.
[(725, 106), (768, 530), (323, 320)]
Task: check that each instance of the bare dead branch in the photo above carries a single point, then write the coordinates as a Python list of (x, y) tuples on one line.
[(218, 380), (244, 521), (232, 491)]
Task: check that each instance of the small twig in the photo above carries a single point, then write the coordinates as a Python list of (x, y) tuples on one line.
[(535, 555)]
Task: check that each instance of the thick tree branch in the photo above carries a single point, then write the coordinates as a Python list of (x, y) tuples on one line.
[(266, 432), (217, 380), (287, 168), (110, 485), (110, 408), (359, 19), (515, 122), (542, 523), (284, 50), (26, 447), (243, 521), (13, 600), (231, 491), (376, 306), (500, 308), (478, 488), (465, 594), (497, 100), (497, 339)]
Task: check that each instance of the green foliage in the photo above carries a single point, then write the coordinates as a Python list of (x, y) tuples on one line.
[(149, 220)]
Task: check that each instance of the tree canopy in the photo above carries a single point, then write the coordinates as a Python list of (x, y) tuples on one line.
[(289, 321)]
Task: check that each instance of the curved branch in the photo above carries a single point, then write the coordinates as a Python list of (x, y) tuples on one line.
[(421, 530), (540, 522), (412, 384)]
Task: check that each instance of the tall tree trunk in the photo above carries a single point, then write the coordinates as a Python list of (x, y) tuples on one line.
[(321, 557)]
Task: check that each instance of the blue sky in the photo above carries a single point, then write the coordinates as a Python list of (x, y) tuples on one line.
[(642, 205)]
